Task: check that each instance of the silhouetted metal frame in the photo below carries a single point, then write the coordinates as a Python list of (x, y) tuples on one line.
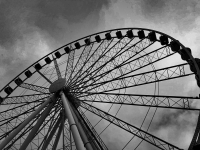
[(172, 102), (182, 46), (153, 140)]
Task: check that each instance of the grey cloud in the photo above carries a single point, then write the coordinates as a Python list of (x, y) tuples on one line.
[(182, 12), (153, 8), (43, 15), (24, 24), (173, 118)]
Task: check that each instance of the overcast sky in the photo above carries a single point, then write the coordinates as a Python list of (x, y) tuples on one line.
[(30, 29)]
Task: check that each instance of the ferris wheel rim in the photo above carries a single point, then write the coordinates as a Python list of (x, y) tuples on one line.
[(106, 31), (51, 53)]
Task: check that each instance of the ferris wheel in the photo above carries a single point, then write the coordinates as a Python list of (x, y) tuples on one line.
[(109, 90)]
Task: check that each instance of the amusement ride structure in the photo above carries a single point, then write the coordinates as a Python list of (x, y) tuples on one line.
[(74, 97)]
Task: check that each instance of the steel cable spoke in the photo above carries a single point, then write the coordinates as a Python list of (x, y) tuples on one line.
[(82, 62), (96, 70), (70, 63), (87, 71), (144, 78), (100, 76), (106, 46), (153, 140)]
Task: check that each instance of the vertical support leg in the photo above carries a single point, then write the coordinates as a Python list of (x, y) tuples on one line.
[(23, 124), (73, 126), (86, 142), (57, 68), (95, 142), (36, 127), (63, 121), (70, 134)]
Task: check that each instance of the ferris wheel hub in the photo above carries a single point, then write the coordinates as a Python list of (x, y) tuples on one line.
[(57, 85)]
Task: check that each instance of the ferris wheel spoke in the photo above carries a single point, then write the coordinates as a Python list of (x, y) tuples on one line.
[(36, 127), (45, 125), (20, 109), (133, 65), (53, 123), (93, 54), (120, 49), (58, 136), (70, 63), (151, 139), (84, 53), (35, 88), (8, 120), (103, 45), (57, 68), (160, 101), (22, 133), (26, 130), (94, 134), (23, 124), (82, 61), (137, 47), (50, 134), (149, 77), (119, 46), (44, 77), (24, 99), (15, 118)]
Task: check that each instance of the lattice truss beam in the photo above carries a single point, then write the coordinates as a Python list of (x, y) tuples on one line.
[(160, 101), (122, 82), (87, 57), (57, 68), (35, 88), (70, 63), (17, 114), (153, 140), (97, 57), (12, 117), (80, 64), (119, 66), (24, 99), (68, 138)]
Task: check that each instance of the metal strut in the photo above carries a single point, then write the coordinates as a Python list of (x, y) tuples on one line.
[(86, 142), (23, 124), (36, 127), (46, 143), (73, 126), (57, 68)]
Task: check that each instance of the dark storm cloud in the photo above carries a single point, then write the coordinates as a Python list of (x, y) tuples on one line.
[(153, 8), (26, 27), (43, 15), (182, 12)]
